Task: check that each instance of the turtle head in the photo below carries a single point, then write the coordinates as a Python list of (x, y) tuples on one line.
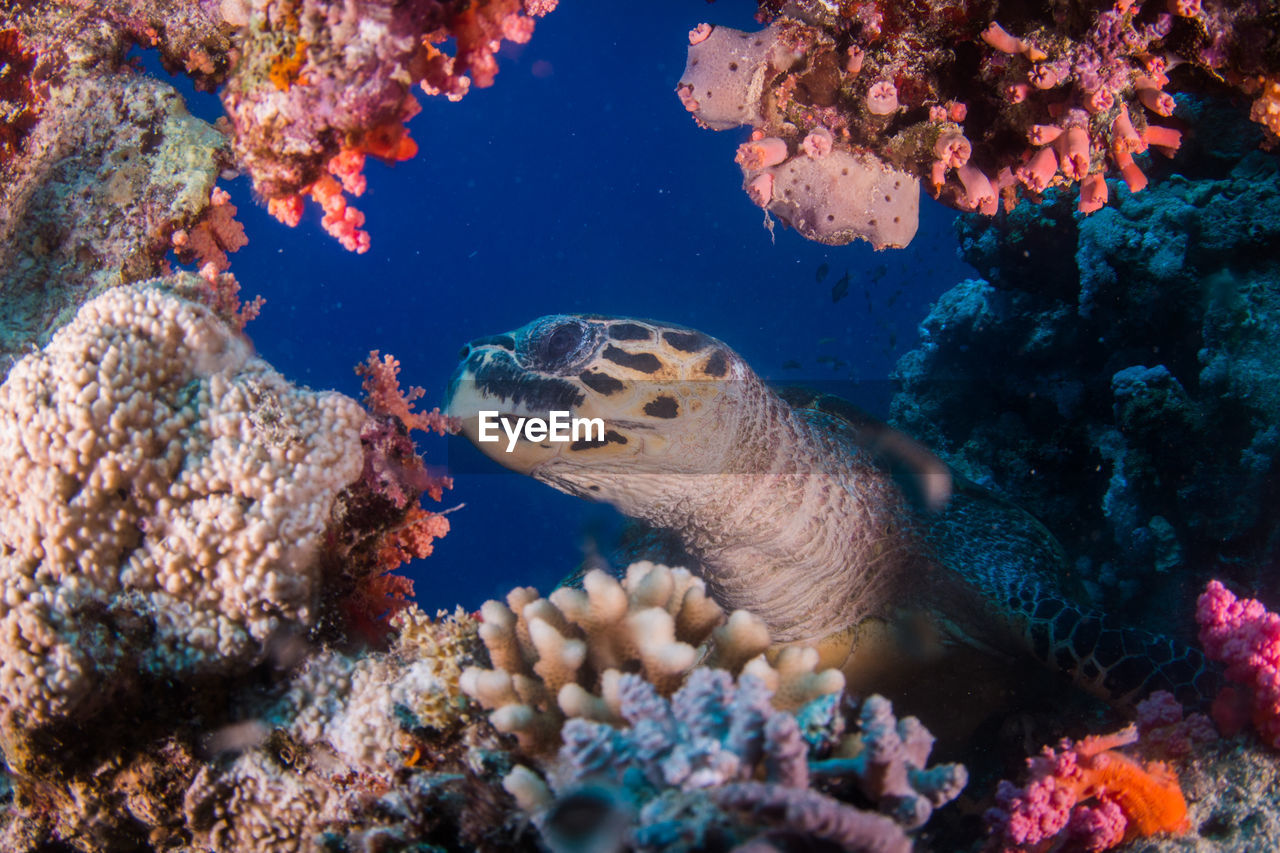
[(620, 399)]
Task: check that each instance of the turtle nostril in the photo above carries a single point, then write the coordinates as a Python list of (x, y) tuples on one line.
[(464, 352)]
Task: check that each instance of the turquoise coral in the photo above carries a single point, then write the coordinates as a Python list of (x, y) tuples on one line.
[(715, 763)]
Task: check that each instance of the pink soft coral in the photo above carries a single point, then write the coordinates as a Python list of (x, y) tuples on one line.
[(1245, 636), (1088, 793)]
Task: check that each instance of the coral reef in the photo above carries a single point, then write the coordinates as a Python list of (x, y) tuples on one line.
[(1117, 374), (1090, 793), (1245, 636), (355, 748), (113, 166), (716, 765), (563, 656), (319, 85), (858, 101), (888, 759), (150, 531), (1230, 787)]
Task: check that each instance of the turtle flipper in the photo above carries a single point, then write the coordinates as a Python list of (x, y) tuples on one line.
[(1009, 565), (1115, 662)]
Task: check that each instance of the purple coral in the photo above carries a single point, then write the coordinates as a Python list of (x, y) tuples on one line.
[(890, 765), (717, 758)]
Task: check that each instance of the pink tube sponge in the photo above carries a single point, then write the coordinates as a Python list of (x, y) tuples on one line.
[(761, 153), (1039, 170), (953, 149), (1093, 193), (882, 98)]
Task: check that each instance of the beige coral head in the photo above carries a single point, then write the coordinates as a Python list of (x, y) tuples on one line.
[(137, 482)]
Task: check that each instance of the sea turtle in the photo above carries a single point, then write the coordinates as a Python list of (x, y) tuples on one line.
[(793, 504)]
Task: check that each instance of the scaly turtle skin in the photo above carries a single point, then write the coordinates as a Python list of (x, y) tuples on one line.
[(800, 509)]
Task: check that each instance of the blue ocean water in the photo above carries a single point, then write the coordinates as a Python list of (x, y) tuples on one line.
[(577, 183)]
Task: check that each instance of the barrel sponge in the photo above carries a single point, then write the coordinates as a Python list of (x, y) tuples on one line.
[(725, 75), (163, 497), (844, 196)]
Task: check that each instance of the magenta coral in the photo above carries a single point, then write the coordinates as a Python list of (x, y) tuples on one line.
[(1245, 636), (1087, 793), (318, 86)]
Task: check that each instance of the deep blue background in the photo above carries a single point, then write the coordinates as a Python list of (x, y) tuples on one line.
[(576, 183)]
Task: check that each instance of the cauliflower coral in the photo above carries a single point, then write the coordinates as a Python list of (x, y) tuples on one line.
[(163, 497)]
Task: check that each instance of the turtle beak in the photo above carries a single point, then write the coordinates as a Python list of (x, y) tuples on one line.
[(480, 397)]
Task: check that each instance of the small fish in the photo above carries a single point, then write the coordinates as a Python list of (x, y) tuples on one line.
[(822, 272), (893, 298), (827, 358), (841, 289), (791, 364), (825, 342), (878, 272), (839, 364)]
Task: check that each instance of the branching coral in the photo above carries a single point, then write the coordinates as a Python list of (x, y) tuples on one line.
[(563, 656), (151, 528), (889, 758), (378, 524), (716, 763), (983, 109), (212, 236)]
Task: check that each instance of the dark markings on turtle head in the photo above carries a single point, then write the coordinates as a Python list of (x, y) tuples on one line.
[(662, 407), (601, 383), (645, 362), (716, 365), (501, 378), (505, 342), (629, 332), (610, 437), (686, 341)]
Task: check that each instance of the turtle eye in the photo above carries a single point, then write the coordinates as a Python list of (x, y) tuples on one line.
[(557, 344), (563, 340)]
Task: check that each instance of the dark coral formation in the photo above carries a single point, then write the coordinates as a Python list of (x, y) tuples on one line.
[(1117, 374)]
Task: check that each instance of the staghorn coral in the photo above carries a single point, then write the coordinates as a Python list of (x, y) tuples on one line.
[(150, 529), (715, 765), (888, 758), (563, 656), (985, 105)]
